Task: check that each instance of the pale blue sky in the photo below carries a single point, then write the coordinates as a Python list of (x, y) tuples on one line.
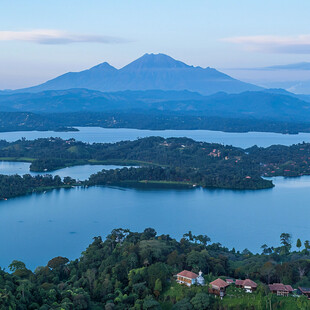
[(197, 32)]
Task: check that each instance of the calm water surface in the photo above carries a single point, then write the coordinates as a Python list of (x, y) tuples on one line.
[(75, 172), (63, 222), (97, 134)]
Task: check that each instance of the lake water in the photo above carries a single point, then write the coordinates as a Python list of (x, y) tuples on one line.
[(76, 172), (97, 134), (38, 227)]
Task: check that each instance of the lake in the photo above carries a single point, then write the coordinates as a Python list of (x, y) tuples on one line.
[(76, 172), (38, 227), (98, 134)]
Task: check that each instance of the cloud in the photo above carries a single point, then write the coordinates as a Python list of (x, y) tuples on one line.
[(49, 36), (299, 44)]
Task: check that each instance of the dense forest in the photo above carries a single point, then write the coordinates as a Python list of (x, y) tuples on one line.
[(171, 162), (178, 160), (130, 270), (161, 162), (15, 185), (25, 121)]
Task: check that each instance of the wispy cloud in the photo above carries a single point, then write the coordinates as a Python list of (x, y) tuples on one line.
[(299, 44), (50, 36)]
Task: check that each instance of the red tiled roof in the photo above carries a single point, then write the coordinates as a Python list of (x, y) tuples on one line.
[(239, 282), (219, 283), (188, 274), (229, 280), (305, 290), (249, 282), (280, 287)]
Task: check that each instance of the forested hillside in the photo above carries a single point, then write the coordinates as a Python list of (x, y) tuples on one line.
[(132, 270)]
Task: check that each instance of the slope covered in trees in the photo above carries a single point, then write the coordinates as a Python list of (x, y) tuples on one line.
[(136, 271), (176, 159)]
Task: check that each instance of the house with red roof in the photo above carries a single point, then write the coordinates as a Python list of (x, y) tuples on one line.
[(218, 287), (189, 278), (304, 291), (248, 285), (280, 289)]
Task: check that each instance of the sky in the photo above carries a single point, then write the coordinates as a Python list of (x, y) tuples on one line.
[(40, 39)]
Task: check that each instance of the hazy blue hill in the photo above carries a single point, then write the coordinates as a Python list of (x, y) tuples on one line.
[(74, 100), (247, 105), (146, 73)]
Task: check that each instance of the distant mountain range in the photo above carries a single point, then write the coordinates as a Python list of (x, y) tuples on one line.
[(264, 105), (295, 66), (149, 72), (156, 85)]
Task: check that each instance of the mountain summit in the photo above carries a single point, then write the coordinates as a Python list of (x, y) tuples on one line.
[(155, 61), (149, 72)]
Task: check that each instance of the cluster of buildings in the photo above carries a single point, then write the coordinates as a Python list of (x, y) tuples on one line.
[(218, 286)]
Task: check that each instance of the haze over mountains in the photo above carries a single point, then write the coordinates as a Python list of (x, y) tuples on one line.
[(295, 66), (149, 72), (154, 85), (263, 105)]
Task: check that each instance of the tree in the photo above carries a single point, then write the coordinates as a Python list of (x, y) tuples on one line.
[(57, 262), (264, 247), (183, 304), (203, 239), (151, 304), (268, 270), (298, 244), (189, 236), (307, 245), (149, 233), (201, 301), (286, 241), (17, 265), (158, 287)]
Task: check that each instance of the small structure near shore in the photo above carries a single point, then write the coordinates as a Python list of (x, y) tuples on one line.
[(218, 287), (189, 278), (248, 285), (280, 289)]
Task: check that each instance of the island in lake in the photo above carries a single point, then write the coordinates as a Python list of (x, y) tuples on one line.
[(158, 162)]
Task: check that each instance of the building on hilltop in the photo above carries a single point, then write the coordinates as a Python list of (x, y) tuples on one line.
[(304, 291), (218, 287), (230, 281), (189, 278), (280, 289), (248, 285)]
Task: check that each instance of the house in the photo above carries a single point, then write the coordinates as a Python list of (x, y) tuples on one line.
[(189, 278), (218, 287), (304, 291), (248, 285), (280, 289), (230, 281)]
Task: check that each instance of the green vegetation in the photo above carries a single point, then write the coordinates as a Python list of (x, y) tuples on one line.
[(15, 185), (25, 121), (176, 159), (173, 162), (135, 271)]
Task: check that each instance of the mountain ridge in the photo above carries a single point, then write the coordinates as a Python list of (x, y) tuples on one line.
[(246, 105), (151, 71)]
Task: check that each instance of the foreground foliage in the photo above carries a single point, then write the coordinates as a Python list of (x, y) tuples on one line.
[(135, 271)]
